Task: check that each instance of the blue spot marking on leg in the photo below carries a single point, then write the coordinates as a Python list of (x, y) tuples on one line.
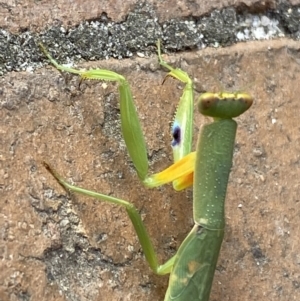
[(176, 134)]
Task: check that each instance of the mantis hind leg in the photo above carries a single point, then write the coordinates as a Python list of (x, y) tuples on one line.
[(134, 216)]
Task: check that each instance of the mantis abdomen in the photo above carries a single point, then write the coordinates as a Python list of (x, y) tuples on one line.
[(194, 267)]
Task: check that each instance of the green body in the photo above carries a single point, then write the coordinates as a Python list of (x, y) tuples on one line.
[(213, 164), (192, 267), (193, 271)]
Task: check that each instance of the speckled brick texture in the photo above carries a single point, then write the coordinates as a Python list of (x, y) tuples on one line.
[(59, 247), (36, 15)]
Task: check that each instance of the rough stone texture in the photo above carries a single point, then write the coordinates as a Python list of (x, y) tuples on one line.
[(36, 15), (100, 39), (55, 247), (59, 247)]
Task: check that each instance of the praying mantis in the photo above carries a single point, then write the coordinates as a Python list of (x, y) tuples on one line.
[(192, 268)]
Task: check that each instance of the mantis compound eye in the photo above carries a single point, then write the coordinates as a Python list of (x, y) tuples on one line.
[(224, 105), (176, 134)]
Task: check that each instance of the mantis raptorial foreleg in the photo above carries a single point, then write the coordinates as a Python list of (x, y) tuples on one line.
[(134, 139), (131, 128), (193, 266)]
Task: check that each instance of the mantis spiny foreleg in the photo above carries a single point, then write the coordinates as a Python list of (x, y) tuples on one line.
[(193, 266), (130, 124)]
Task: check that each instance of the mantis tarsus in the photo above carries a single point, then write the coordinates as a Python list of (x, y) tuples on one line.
[(207, 169)]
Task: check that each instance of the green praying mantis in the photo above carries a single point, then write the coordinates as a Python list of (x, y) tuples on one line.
[(192, 268)]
